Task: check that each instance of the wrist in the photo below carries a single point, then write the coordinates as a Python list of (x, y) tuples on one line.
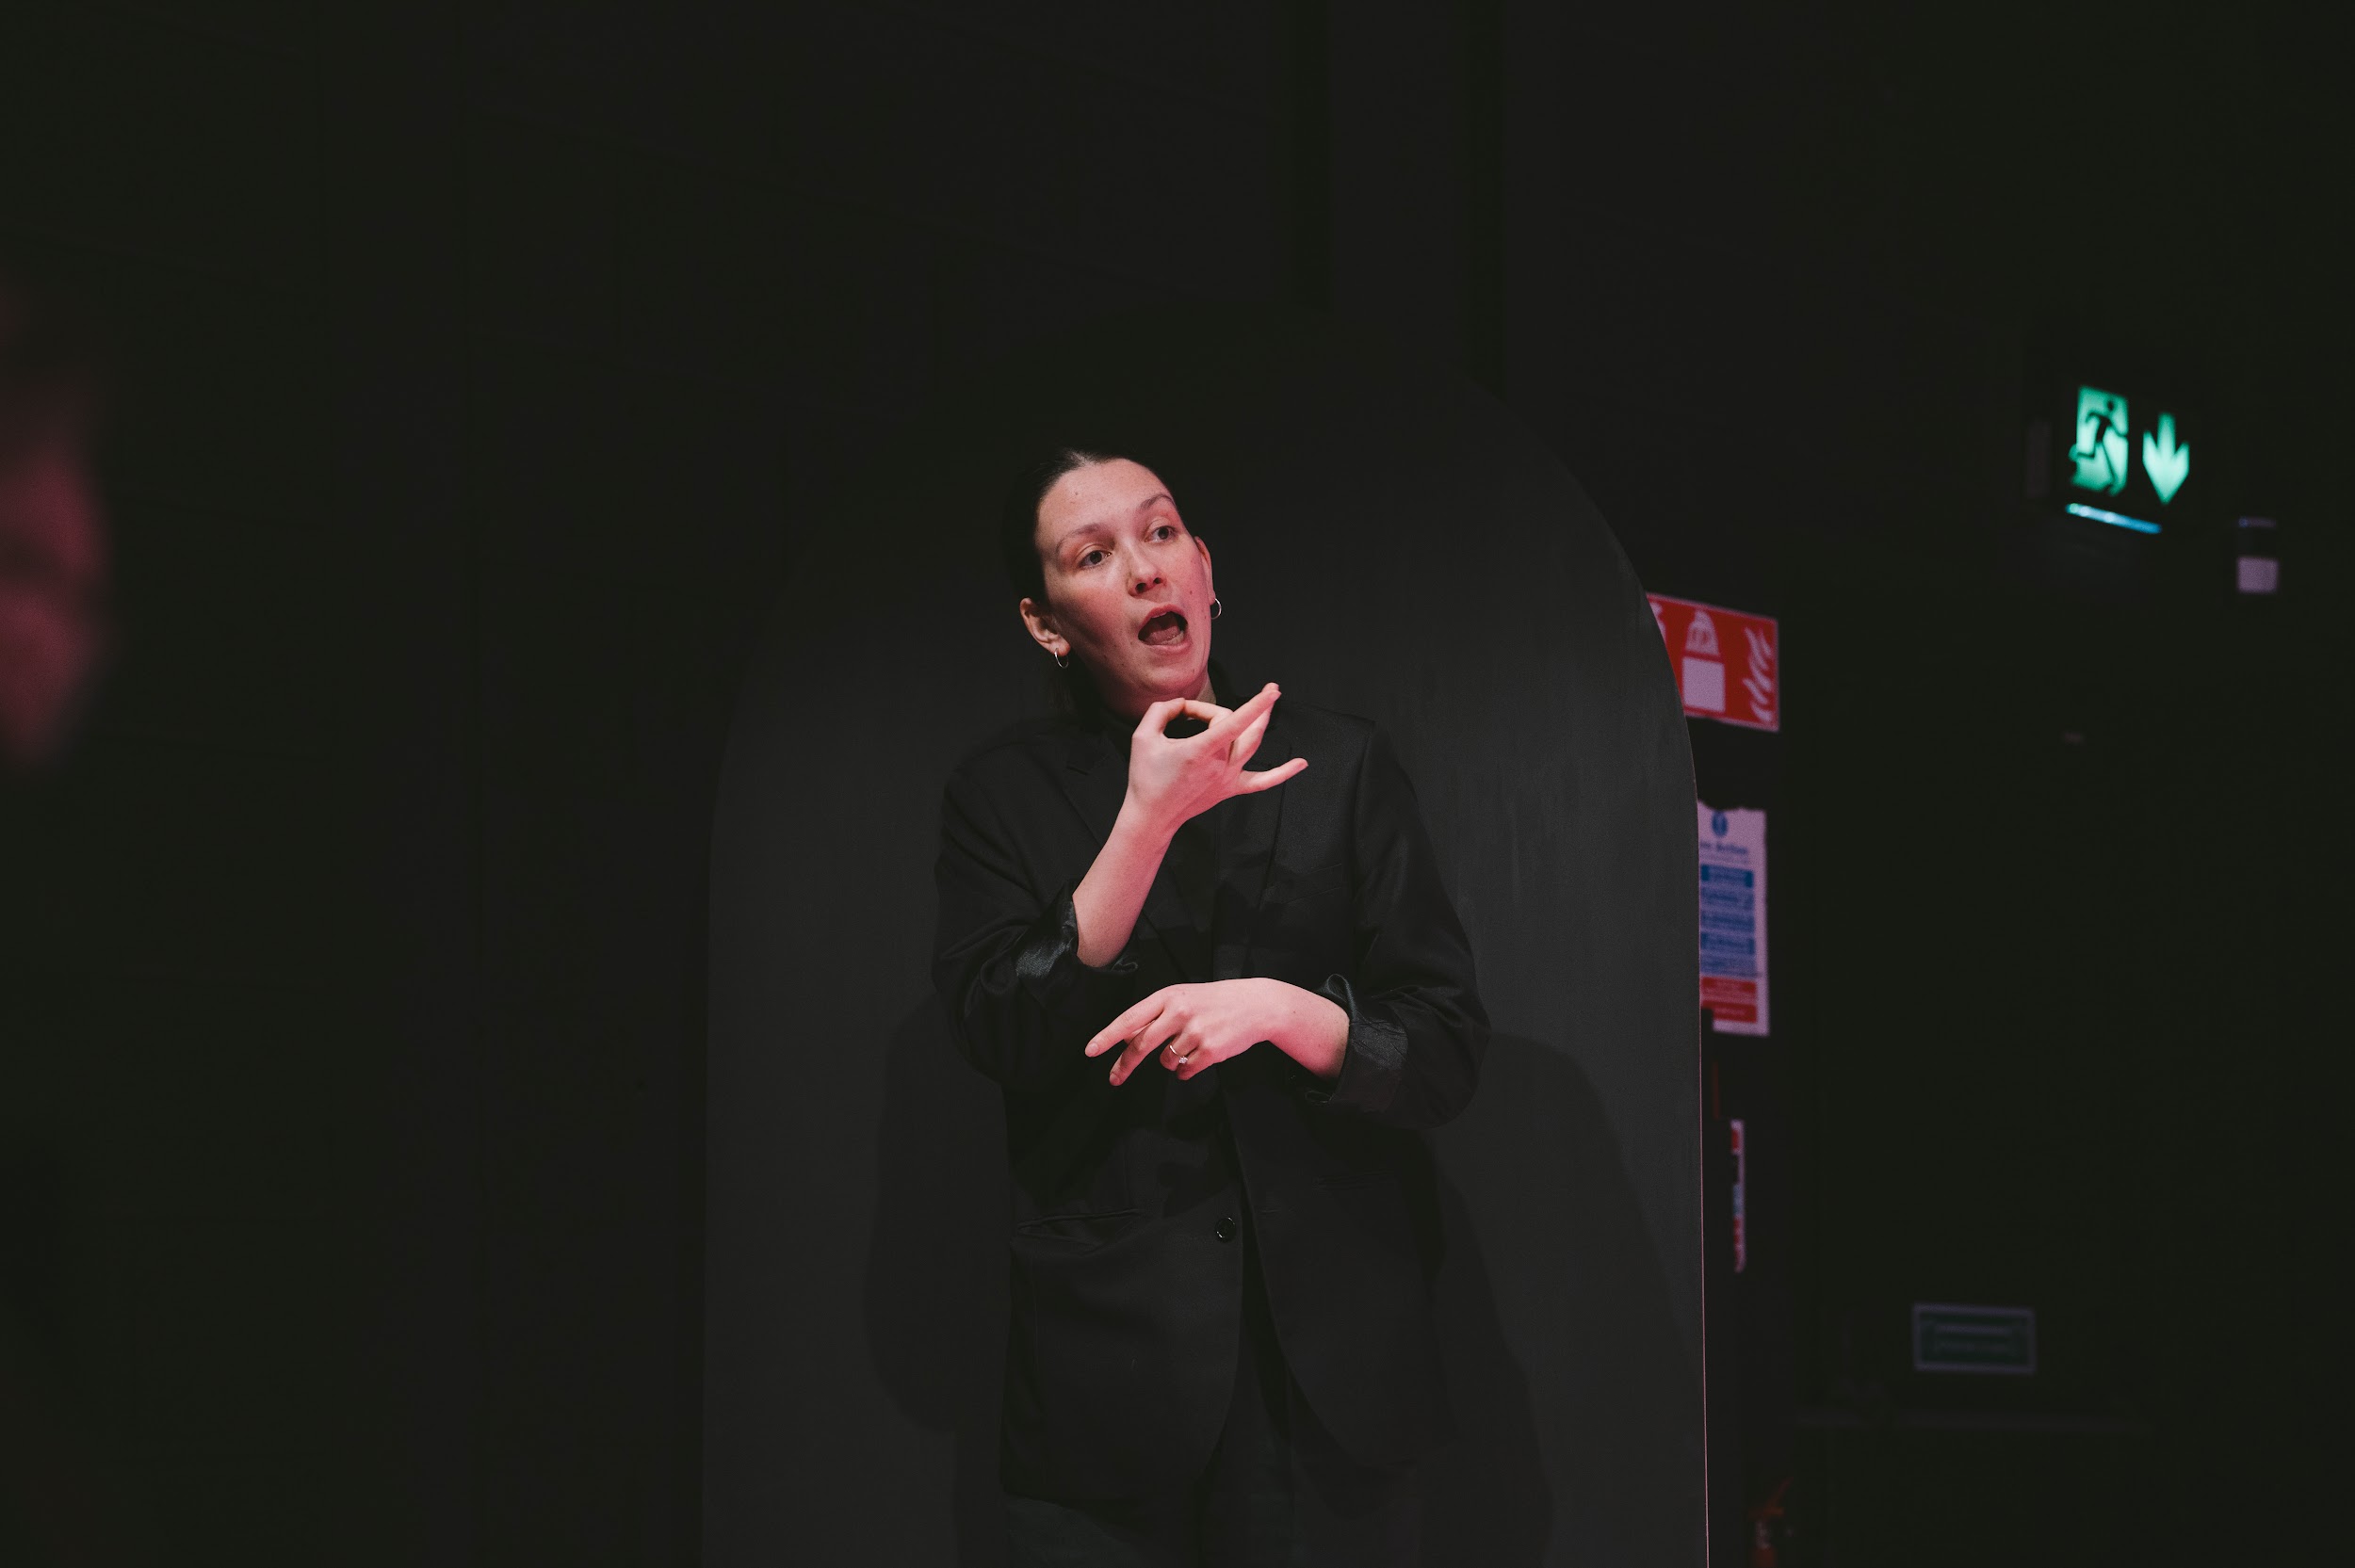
[(1316, 1031), (1141, 827)]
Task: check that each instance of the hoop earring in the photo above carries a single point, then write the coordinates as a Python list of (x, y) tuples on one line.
[(1058, 658), (1217, 610)]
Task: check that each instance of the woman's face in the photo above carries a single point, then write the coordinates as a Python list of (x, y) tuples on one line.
[(1127, 587)]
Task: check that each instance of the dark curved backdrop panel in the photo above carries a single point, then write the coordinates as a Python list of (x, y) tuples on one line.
[(1388, 541)]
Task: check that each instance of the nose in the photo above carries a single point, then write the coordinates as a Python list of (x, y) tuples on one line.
[(1142, 576)]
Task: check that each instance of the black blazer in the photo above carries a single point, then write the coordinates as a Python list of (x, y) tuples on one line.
[(1132, 1206)]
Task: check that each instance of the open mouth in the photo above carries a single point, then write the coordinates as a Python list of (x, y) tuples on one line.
[(1165, 630)]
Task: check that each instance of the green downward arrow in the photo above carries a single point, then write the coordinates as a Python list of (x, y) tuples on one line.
[(2165, 462)]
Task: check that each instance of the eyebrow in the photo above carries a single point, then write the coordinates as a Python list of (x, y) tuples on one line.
[(1100, 527)]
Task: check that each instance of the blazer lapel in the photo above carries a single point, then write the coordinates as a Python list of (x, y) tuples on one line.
[(1094, 780), (1247, 854)]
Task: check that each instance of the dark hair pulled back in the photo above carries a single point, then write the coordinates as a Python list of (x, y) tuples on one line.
[(1018, 519)]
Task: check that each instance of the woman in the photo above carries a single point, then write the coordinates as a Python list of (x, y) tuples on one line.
[(1223, 1002)]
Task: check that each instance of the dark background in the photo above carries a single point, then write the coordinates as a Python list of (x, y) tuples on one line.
[(480, 368), (856, 1197)]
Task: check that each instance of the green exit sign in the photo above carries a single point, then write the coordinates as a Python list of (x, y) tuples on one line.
[(2122, 455), (1949, 1338)]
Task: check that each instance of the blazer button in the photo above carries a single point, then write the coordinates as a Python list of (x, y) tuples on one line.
[(1227, 1228)]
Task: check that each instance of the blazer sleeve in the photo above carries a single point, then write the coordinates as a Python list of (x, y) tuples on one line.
[(1416, 1029), (1006, 960)]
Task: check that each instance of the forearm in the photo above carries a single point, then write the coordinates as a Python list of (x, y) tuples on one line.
[(1112, 894), (1005, 952)]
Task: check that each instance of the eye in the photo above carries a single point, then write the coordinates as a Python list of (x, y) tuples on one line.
[(1165, 531), (1090, 556)]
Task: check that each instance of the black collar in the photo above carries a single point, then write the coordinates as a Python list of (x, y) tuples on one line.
[(1112, 727)]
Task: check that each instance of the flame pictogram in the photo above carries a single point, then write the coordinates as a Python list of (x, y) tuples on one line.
[(1759, 682)]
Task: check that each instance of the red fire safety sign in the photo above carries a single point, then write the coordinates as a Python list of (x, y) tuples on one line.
[(1728, 663)]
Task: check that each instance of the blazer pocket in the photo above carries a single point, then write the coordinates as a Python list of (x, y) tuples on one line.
[(1078, 1232)]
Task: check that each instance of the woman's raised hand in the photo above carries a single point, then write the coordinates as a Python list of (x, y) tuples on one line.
[(1171, 780)]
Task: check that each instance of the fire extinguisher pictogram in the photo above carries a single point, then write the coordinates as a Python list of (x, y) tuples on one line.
[(1704, 665)]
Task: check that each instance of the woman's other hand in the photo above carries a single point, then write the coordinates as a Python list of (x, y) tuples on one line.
[(1188, 1027), (1171, 780)]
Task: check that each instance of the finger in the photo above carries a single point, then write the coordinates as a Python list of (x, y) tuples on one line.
[(1256, 704), (1130, 1054), (1156, 722), (1268, 778), (1172, 707), (1187, 1052), (1248, 741), (1245, 713), (1105, 1037), (1126, 1024), (1145, 1039), (1161, 1031), (1157, 714), (1201, 1059)]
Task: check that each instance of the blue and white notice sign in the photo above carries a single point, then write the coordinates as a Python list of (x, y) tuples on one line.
[(1733, 919)]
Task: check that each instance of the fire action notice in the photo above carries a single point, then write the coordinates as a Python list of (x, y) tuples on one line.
[(1733, 919)]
